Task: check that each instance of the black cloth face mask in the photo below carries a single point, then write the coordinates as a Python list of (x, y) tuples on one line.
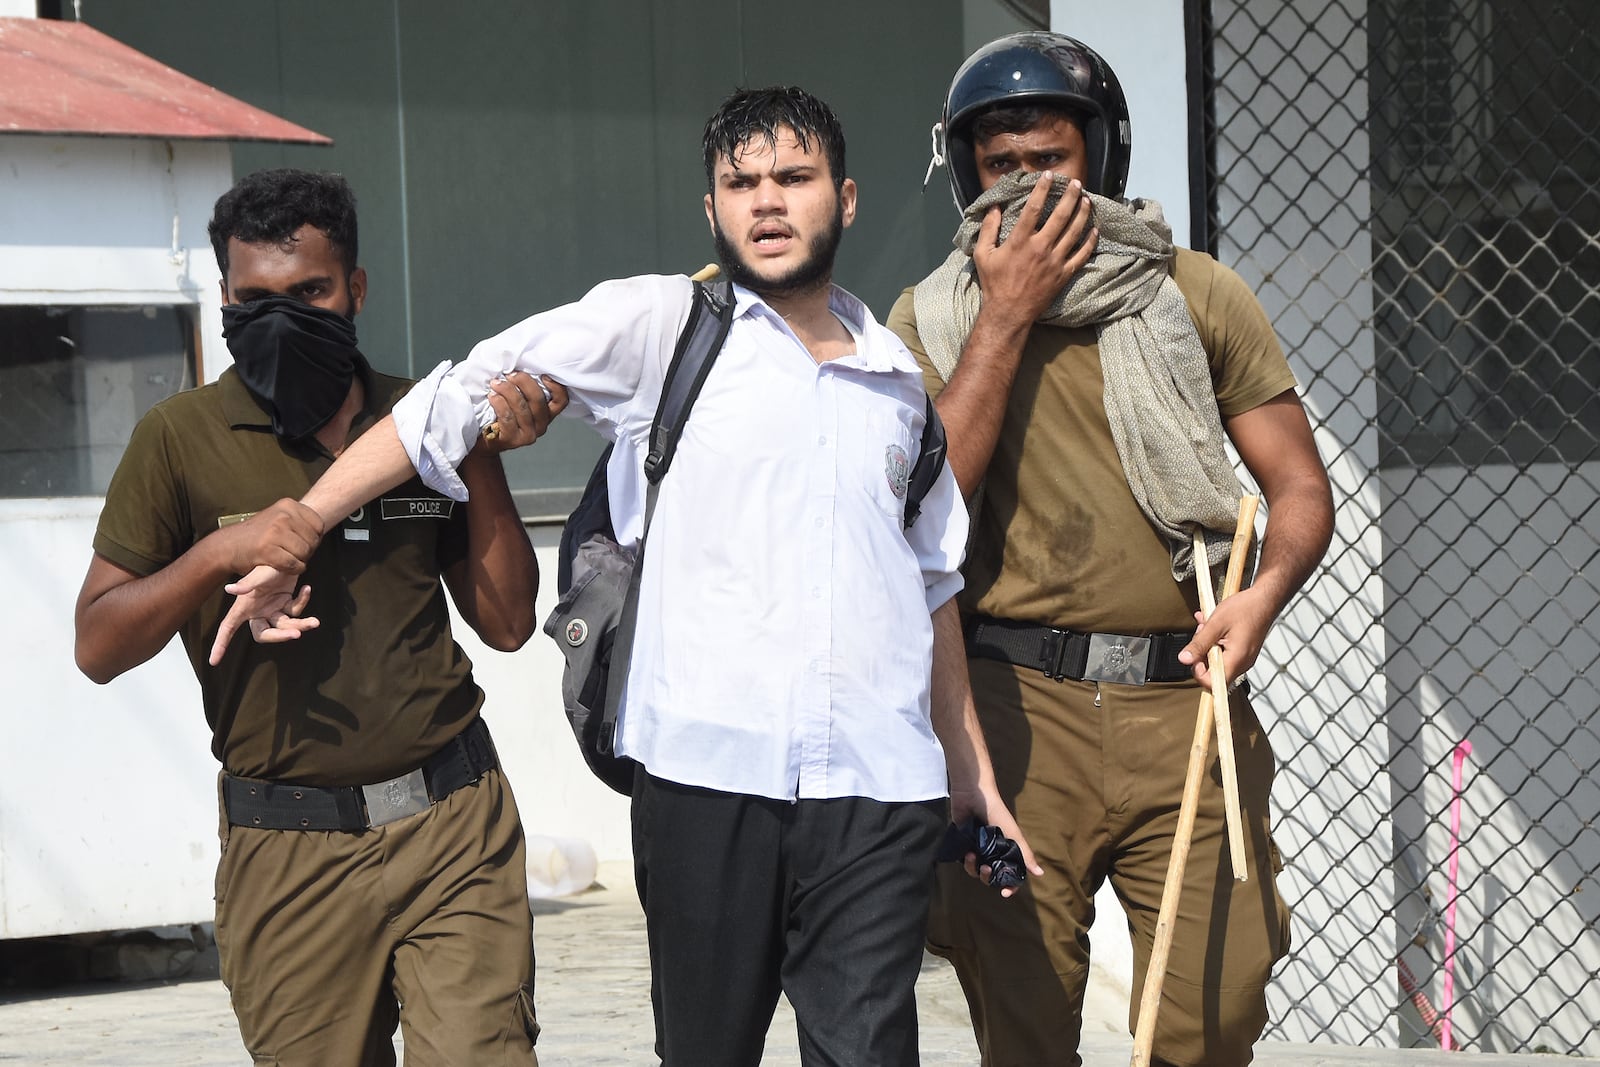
[(297, 360)]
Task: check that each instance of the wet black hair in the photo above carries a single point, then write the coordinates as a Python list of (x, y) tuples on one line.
[(270, 205), (758, 114)]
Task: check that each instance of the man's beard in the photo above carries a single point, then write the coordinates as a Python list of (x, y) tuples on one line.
[(812, 273)]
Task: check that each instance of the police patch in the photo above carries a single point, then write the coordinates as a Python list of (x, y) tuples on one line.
[(427, 507), (897, 469)]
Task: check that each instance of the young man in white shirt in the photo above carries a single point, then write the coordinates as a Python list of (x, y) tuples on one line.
[(797, 697)]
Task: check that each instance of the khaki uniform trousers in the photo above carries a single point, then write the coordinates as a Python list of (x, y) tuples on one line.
[(1097, 790), (328, 939)]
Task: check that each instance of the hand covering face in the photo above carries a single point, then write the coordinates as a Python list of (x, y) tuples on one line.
[(1160, 401)]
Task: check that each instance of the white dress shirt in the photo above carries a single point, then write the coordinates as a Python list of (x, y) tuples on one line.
[(784, 645)]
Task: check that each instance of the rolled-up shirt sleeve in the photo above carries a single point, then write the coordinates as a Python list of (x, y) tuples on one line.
[(437, 425), (939, 538), (597, 347)]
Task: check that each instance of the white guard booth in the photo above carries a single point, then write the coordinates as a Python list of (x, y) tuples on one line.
[(109, 166)]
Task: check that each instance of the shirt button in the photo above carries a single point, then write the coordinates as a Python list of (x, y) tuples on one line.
[(816, 592), (822, 440), (820, 522)]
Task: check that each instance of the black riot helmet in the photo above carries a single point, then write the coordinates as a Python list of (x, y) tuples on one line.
[(1039, 68)]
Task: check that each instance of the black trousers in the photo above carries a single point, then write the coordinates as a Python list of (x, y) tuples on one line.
[(823, 900)]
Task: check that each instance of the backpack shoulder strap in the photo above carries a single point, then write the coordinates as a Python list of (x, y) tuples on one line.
[(930, 460), (698, 345), (709, 318)]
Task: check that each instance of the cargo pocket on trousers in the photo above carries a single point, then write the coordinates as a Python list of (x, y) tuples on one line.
[(224, 828), (1285, 917), (947, 935), (219, 887), (525, 1015)]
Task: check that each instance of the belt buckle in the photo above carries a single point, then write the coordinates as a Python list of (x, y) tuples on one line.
[(398, 798), (1115, 658)]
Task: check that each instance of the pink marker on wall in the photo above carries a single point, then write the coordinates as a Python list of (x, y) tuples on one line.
[(1458, 762)]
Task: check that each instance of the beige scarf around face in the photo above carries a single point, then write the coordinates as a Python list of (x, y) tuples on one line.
[(1158, 392)]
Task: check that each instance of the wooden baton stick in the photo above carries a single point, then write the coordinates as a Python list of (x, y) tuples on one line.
[(1233, 819), (491, 432), (1161, 949)]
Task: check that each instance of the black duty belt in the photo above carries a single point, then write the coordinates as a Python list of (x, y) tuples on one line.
[(287, 806), (1068, 655)]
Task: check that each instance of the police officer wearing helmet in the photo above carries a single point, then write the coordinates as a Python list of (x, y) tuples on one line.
[(1090, 375), (1012, 79)]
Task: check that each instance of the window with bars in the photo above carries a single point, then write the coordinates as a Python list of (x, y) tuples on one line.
[(74, 380)]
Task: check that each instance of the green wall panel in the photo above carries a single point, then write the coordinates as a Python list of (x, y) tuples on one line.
[(509, 156)]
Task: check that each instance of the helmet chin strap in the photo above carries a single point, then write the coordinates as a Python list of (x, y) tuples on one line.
[(937, 134)]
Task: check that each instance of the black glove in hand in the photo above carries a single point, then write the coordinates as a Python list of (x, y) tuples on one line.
[(994, 849)]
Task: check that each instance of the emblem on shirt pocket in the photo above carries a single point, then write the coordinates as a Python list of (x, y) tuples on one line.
[(423, 507), (897, 469)]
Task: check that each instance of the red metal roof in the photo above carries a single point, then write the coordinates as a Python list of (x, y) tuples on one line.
[(68, 78)]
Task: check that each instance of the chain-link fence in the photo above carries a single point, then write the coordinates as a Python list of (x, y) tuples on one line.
[(1413, 188)]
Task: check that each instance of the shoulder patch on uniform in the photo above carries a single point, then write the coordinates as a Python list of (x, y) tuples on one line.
[(897, 469)]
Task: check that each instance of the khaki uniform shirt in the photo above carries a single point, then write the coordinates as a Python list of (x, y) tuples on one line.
[(1058, 537), (381, 684)]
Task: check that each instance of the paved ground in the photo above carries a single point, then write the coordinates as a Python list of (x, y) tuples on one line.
[(593, 1000)]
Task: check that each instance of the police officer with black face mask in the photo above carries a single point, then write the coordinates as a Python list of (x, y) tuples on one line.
[(372, 862)]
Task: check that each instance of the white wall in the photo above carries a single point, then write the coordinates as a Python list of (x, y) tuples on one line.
[(108, 809), (107, 805), (1143, 42), (107, 796)]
